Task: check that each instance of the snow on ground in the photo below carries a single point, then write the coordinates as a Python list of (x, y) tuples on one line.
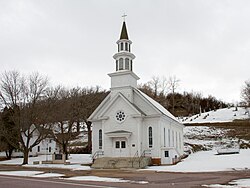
[(37, 174), (240, 183), (80, 158), (73, 159), (48, 175), (208, 137), (208, 161), (40, 174), (203, 131), (19, 161), (103, 179), (220, 115), (76, 161), (61, 166)]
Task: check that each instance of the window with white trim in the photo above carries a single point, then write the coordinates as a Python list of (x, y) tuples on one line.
[(127, 63), (150, 137), (120, 64), (121, 46), (126, 46), (100, 139)]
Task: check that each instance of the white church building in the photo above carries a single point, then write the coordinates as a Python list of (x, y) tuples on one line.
[(129, 123)]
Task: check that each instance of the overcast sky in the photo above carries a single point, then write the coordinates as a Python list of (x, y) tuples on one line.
[(205, 43)]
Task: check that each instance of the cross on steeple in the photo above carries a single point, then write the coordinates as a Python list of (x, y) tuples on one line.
[(124, 16)]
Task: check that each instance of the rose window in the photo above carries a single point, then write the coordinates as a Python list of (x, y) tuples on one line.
[(120, 116)]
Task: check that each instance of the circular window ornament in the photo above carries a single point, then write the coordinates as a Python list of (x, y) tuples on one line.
[(120, 116)]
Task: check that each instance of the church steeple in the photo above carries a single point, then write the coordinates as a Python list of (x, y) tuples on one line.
[(124, 33), (124, 58), (123, 76)]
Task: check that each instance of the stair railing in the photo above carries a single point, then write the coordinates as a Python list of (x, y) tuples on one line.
[(136, 155), (144, 154), (97, 154)]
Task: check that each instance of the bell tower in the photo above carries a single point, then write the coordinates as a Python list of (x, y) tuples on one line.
[(124, 58), (123, 77)]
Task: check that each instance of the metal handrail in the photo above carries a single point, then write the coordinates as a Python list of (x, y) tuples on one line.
[(136, 155), (97, 154), (143, 155)]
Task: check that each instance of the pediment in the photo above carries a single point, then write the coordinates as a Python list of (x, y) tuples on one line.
[(119, 101)]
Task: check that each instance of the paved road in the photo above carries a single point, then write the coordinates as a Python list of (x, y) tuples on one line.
[(154, 179), (21, 182)]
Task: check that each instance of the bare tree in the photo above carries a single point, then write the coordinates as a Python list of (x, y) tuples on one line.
[(155, 84), (173, 85), (72, 109), (90, 99), (24, 95), (8, 131), (245, 93), (65, 116), (159, 85), (11, 85)]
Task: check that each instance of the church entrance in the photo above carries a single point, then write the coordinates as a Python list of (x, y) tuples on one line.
[(120, 147)]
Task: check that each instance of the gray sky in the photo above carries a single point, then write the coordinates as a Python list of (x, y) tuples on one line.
[(205, 43)]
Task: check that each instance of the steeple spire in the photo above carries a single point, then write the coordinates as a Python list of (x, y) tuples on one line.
[(124, 58), (124, 33)]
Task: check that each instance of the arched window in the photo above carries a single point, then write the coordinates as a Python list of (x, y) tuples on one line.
[(173, 144), (150, 137), (127, 64), (164, 136), (176, 140), (169, 138), (126, 46), (120, 64), (121, 46), (116, 65), (100, 139)]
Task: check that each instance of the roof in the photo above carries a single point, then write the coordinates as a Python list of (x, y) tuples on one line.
[(158, 106), (124, 33), (107, 103)]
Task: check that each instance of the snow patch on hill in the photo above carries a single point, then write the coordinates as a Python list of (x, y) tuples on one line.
[(219, 116)]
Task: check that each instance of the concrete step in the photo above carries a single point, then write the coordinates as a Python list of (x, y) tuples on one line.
[(121, 162)]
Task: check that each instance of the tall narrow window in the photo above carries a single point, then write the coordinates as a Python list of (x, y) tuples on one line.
[(169, 137), (179, 140), (164, 135), (173, 138), (127, 64), (118, 48), (100, 139), (129, 47), (116, 65), (121, 46), (131, 65), (150, 137), (176, 140), (120, 64), (126, 46)]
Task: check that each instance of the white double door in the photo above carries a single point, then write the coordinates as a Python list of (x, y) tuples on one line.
[(120, 147)]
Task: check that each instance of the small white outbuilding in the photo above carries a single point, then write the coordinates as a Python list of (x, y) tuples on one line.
[(128, 122)]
